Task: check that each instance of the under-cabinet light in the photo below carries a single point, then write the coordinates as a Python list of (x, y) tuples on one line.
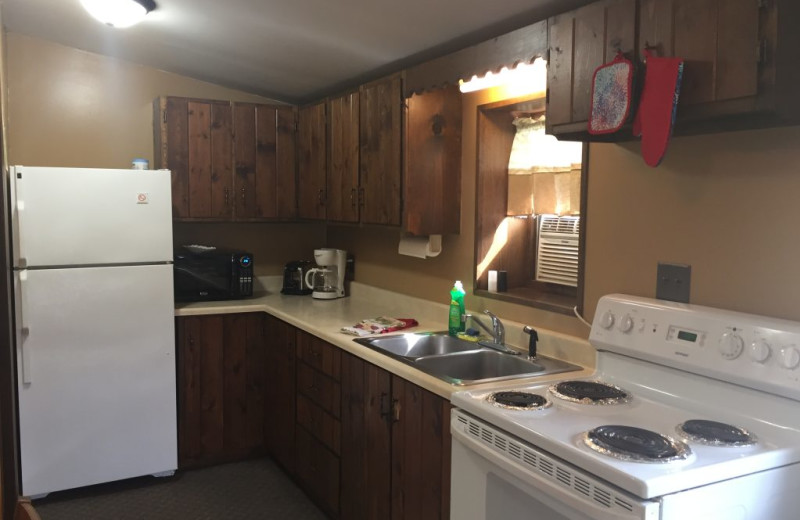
[(119, 13), (525, 77)]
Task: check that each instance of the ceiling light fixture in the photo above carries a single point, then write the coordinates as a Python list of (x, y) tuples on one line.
[(119, 13)]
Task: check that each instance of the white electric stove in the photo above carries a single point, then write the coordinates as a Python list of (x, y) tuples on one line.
[(693, 412)]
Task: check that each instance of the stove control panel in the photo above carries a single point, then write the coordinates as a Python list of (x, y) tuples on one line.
[(754, 351)]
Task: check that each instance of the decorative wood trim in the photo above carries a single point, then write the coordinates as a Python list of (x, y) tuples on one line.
[(521, 46)]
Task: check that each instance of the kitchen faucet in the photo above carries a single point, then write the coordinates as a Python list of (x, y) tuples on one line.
[(498, 332)]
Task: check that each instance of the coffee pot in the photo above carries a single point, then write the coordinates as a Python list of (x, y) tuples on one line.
[(327, 280)]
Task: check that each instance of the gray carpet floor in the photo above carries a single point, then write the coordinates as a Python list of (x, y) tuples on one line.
[(253, 489)]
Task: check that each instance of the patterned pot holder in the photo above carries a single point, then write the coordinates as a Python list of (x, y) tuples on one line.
[(612, 96)]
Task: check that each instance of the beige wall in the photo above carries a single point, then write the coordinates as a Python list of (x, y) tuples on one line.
[(67, 107), (727, 204), (378, 263)]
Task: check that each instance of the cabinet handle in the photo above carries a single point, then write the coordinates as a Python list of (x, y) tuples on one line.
[(321, 197), (227, 194), (242, 196), (396, 410), (353, 197), (385, 411)]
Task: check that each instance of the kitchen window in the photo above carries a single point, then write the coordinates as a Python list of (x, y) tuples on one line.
[(531, 197)]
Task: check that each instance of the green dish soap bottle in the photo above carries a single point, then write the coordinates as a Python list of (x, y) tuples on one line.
[(457, 309)]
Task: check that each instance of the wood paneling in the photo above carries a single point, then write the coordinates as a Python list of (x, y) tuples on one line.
[(221, 388), (420, 435), (343, 165), (286, 183), (521, 45), (322, 425), (366, 440), (580, 41), (280, 391), (229, 161), (222, 184), (320, 355), (311, 178), (380, 161), (318, 471), (200, 389), (432, 166), (320, 388), (173, 150)]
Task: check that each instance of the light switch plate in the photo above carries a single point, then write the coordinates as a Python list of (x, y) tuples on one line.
[(674, 282)]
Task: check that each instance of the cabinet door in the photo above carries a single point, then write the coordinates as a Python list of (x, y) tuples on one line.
[(432, 179), (380, 141), (420, 453), (311, 167), (365, 447), (280, 393), (263, 179), (221, 388), (343, 158), (717, 40), (579, 42), (196, 144), (200, 389)]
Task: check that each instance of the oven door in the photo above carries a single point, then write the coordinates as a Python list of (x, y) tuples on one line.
[(494, 475)]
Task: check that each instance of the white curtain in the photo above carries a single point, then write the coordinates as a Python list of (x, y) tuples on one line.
[(544, 173)]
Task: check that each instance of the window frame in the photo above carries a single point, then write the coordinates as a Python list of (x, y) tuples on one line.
[(491, 188)]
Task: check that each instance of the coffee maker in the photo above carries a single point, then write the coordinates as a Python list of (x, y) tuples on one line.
[(327, 281)]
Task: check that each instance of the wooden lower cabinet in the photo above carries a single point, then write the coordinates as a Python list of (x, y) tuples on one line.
[(281, 340), (366, 440), (395, 446), (363, 443), (221, 388)]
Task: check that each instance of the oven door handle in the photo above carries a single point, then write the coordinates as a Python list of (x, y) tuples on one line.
[(550, 488)]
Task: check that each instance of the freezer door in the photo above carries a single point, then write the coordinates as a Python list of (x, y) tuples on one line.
[(79, 216), (96, 375)]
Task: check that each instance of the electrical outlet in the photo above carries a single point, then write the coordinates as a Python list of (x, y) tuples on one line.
[(674, 282)]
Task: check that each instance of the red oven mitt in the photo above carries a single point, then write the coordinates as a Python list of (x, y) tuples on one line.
[(656, 115)]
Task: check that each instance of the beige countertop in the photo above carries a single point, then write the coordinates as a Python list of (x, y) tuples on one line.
[(325, 318)]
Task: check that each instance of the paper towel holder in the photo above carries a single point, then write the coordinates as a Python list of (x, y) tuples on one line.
[(420, 246)]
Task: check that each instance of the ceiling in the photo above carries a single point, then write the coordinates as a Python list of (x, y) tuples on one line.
[(289, 50)]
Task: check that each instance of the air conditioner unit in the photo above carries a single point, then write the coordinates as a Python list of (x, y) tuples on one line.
[(557, 254)]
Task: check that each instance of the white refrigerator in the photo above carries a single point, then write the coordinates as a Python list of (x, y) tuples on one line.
[(94, 317)]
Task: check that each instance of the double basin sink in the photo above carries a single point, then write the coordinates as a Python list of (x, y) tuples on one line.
[(461, 362)]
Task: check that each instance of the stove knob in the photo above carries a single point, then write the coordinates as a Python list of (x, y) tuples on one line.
[(607, 320), (625, 324), (731, 345), (790, 358), (760, 351)]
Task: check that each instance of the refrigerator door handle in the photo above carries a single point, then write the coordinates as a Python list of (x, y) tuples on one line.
[(24, 331), (18, 210)]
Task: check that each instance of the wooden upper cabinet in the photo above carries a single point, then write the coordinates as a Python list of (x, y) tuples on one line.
[(719, 42), (432, 177), (343, 162), (264, 182), (381, 141), (229, 161), (579, 42), (194, 139), (312, 147), (740, 59)]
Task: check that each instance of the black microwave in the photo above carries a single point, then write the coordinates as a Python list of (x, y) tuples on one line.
[(204, 273)]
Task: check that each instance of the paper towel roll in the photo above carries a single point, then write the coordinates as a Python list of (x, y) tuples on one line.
[(420, 247)]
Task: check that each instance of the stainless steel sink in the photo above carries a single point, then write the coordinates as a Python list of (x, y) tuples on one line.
[(484, 365), (413, 346), (461, 362)]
